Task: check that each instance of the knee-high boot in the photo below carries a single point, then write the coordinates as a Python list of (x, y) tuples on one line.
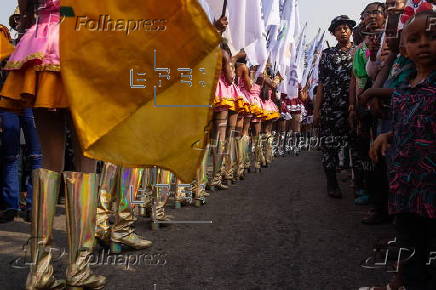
[(264, 146), (200, 192), (160, 200), (81, 208), (269, 149), (229, 160), (123, 230), (218, 152), (241, 150), (257, 152), (281, 145), (46, 185), (248, 152), (106, 194)]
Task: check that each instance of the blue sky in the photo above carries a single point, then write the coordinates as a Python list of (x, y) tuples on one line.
[(318, 13)]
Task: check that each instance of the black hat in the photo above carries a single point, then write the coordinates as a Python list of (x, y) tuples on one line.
[(343, 19)]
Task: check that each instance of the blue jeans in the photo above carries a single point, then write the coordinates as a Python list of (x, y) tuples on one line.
[(11, 124)]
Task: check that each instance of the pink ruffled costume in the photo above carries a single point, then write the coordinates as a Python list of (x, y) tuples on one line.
[(39, 46), (225, 95)]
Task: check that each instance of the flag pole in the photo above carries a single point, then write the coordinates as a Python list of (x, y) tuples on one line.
[(224, 9)]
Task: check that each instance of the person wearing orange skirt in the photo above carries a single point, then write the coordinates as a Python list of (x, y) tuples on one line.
[(244, 118), (271, 115), (258, 114), (234, 114), (225, 118), (35, 81)]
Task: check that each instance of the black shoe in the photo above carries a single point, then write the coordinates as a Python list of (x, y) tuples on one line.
[(7, 215)]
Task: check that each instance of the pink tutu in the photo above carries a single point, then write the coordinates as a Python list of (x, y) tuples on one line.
[(242, 102), (256, 101), (224, 95), (271, 111), (40, 44)]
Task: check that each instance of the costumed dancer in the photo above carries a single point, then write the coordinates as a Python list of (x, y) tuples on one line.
[(35, 80), (198, 188), (224, 103), (258, 115), (271, 115), (284, 125), (297, 111), (245, 84), (246, 111), (232, 119), (244, 117)]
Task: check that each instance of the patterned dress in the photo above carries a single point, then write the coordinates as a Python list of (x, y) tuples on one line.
[(335, 69), (412, 176)]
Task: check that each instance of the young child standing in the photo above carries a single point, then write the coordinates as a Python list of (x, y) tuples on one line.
[(412, 176)]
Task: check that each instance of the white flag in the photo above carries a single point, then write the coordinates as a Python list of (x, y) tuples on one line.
[(286, 38), (245, 20), (271, 12)]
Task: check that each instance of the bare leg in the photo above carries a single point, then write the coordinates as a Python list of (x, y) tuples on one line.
[(231, 124), (239, 126), (51, 130), (229, 157), (82, 163), (246, 127), (220, 125), (239, 150)]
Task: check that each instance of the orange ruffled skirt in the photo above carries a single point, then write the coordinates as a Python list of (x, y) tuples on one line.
[(27, 88), (226, 96)]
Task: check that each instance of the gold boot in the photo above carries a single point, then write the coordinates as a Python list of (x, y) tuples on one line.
[(201, 181), (269, 149), (248, 152), (147, 199), (46, 185), (179, 196), (229, 160), (161, 197), (241, 151), (264, 144), (123, 231), (257, 153), (218, 157), (81, 208), (106, 192)]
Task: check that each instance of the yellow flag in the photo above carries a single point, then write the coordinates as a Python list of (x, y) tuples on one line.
[(6, 48), (140, 76)]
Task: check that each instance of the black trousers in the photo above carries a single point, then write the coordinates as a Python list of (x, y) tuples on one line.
[(417, 233)]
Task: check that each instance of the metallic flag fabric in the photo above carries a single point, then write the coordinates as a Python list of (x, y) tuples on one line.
[(114, 56)]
